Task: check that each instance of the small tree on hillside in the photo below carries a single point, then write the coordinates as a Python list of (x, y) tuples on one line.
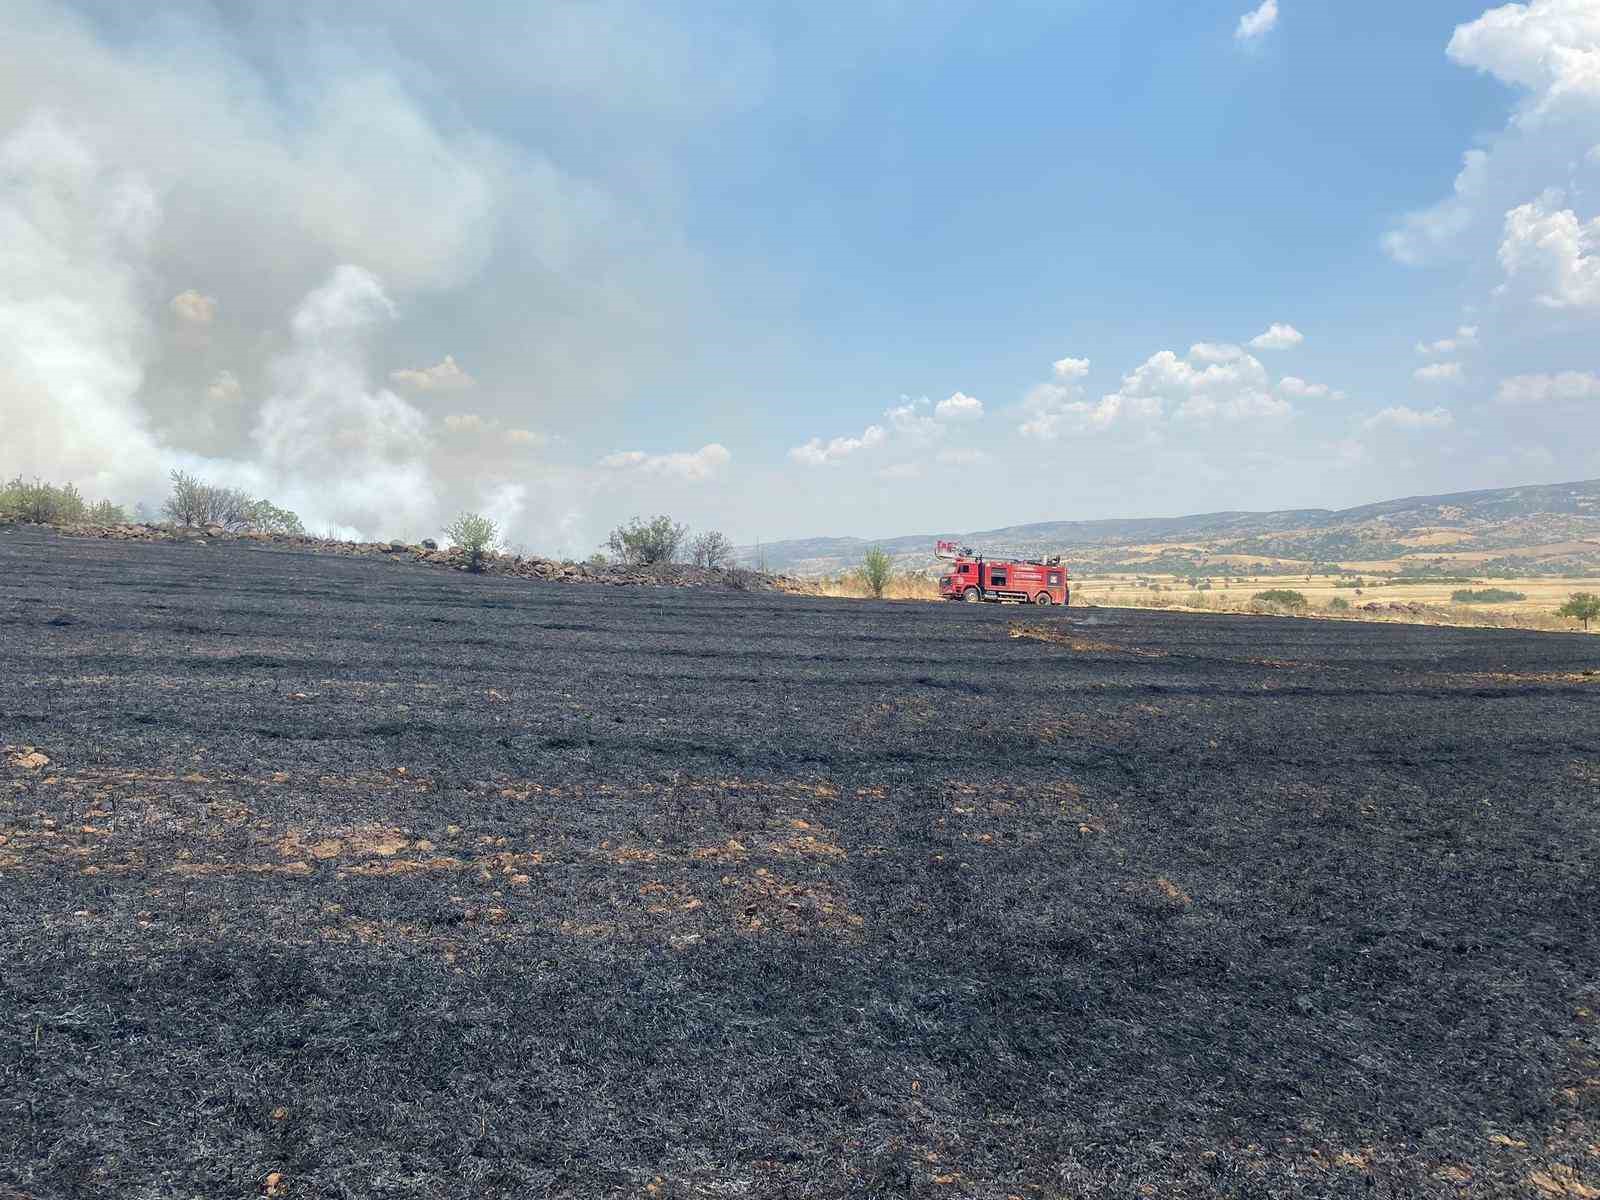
[(710, 549), (876, 569), (1581, 606), (476, 534), (642, 543)]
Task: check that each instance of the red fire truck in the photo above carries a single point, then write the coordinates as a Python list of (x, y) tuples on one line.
[(974, 576)]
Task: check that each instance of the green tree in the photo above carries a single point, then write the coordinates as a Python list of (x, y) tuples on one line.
[(876, 570), (710, 549), (1283, 597), (1581, 606), (642, 543), (476, 534)]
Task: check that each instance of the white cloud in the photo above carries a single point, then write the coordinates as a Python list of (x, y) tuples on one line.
[(1403, 417), (1466, 337), (527, 437), (1215, 381), (1422, 235), (694, 466), (1563, 388), (1550, 50), (193, 307), (1278, 337), (1437, 372), (444, 376), (918, 420), (817, 453), (1070, 368), (468, 423), (959, 407), (1258, 22), (1552, 254), (1300, 389), (913, 419), (1550, 47)]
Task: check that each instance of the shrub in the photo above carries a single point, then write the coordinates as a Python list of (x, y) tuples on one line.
[(196, 502), (1283, 598), (1339, 604), (710, 549), (876, 570), (1581, 606), (264, 516), (476, 534), (42, 503), (106, 513), (1485, 596), (643, 543)]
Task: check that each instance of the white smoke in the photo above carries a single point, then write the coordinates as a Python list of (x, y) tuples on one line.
[(74, 236)]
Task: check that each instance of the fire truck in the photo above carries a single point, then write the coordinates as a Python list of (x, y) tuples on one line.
[(974, 576)]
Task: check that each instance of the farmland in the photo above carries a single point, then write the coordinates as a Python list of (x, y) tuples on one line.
[(328, 877)]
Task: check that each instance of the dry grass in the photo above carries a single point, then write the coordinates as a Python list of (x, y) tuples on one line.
[(1537, 611)]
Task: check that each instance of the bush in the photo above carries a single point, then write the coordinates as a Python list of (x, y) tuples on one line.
[(1485, 596), (266, 517), (1581, 606), (195, 502), (106, 513), (640, 543), (1283, 598), (876, 570), (476, 534), (710, 549), (1338, 604), (42, 503)]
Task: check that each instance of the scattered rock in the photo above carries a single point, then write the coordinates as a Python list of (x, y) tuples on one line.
[(61, 619), (28, 759), (429, 544)]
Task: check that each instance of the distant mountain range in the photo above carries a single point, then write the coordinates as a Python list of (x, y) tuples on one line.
[(1543, 529)]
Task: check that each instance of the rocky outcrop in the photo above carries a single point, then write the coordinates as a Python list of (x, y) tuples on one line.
[(427, 553)]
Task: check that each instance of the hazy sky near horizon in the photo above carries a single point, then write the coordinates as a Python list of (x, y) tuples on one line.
[(792, 270)]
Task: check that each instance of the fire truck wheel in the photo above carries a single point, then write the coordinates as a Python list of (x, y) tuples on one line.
[(971, 596), (1042, 599)]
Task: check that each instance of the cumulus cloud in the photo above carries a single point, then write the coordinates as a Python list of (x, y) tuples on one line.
[(1550, 51), (959, 407), (694, 466), (468, 423), (1566, 387), (1299, 389), (1215, 381), (527, 437), (193, 307), (1551, 254), (1257, 23), (1278, 337), (444, 376), (1070, 368), (1405, 418), (1441, 372), (1466, 337), (817, 453), (916, 420)]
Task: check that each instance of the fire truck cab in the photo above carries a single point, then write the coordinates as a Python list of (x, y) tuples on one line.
[(974, 577)]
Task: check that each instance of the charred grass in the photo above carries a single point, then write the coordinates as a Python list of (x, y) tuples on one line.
[(326, 880)]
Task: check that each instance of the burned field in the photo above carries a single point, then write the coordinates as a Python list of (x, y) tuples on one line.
[(326, 877)]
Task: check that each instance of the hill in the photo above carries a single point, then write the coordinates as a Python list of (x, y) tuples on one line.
[(1541, 529)]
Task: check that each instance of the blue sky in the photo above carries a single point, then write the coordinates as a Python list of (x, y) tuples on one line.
[(791, 270)]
